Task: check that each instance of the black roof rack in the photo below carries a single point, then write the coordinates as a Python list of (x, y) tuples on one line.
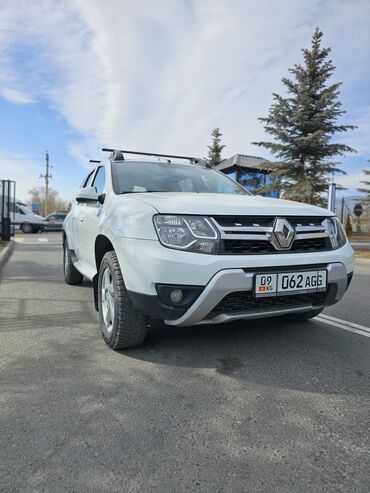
[(118, 155), (94, 161)]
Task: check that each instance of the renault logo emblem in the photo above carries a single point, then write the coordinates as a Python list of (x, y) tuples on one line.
[(282, 234)]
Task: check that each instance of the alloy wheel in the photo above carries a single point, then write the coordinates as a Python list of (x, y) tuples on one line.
[(107, 301)]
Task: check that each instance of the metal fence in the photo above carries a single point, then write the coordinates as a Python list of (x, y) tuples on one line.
[(7, 208), (354, 213)]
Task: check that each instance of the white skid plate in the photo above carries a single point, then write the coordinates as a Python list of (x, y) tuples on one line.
[(277, 284)]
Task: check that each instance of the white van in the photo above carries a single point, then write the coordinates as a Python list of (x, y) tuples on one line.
[(23, 218)]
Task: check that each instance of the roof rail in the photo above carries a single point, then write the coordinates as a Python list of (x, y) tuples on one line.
[(94, 161), (118, 155)]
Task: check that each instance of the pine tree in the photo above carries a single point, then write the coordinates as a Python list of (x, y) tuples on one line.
[(215, 149), (302, 125), (367, 183)]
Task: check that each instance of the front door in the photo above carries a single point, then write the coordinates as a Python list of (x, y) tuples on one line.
[(88, 222)]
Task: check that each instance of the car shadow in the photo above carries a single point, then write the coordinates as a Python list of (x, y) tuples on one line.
[(271, 352)]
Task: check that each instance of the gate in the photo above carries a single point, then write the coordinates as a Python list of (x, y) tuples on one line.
[(7, 209)]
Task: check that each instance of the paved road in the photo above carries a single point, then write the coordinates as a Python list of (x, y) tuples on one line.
[(258, 406)]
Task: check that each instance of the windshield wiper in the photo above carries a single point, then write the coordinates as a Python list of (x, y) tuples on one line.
[(146, 191)]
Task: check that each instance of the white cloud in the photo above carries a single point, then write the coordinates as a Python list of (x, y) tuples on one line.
[(351, 181), (23, 171), (16, 97), (160, 75), (359, 139)]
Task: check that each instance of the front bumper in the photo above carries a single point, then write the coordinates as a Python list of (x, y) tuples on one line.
[(237, 280), (209, 306), (146, 263)]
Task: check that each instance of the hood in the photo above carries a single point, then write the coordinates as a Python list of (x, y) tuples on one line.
[(40, 218), (213, 204), (36, 218)]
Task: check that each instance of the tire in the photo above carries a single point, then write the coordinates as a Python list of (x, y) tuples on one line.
[(27, 228), (301, 317), (71, 274), (154, 323), (126, 327)]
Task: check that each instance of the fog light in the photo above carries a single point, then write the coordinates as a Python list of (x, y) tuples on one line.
[(176, 295)]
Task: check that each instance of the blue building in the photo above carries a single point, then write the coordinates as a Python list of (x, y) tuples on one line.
[(249, 171)]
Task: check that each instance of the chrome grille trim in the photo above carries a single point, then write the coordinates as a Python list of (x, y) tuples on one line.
[(306, 236), (253, 229), (302, 229), (229, 236), (251, 232)]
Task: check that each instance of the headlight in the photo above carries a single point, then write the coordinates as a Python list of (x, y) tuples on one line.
[(191, 233), (336, 233)]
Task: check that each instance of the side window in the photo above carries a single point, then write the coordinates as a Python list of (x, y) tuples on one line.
[(20, 211), (99, 181), (87, 180)]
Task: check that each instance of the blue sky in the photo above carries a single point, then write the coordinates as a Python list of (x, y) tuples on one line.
[(159, 75)]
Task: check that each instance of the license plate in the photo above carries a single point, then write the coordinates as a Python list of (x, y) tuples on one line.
[(290, 283)]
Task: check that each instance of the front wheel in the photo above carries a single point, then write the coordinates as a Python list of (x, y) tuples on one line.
[(301, 317), (122, 325), (27, 228)]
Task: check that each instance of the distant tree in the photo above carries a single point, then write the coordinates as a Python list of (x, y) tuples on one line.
[(348, 225), (302, 125), (55, 202), (367, 183), (215, 149)]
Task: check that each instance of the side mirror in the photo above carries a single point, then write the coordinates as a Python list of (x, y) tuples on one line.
[(87, 195)]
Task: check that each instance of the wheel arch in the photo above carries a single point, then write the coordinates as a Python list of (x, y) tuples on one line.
[(102, 246)]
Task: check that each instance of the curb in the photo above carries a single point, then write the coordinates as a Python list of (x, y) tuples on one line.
[(361, 247), (6, 253)]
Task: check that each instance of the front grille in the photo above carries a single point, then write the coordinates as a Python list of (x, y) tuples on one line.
[(256, 235), (258, 247), (244, 247), (241, 301), (311, 245)]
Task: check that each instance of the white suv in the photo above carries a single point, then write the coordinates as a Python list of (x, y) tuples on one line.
[(186, 245)]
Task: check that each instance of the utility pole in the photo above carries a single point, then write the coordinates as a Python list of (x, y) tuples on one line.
[(46, 176), (331, 197)]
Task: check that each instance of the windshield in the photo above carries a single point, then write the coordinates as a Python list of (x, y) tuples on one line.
[(139, 177), (26, 209)]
